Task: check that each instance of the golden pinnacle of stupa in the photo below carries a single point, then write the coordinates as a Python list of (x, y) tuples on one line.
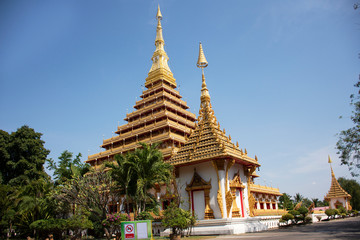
[(202, 63), (158, 14), (159, 67)]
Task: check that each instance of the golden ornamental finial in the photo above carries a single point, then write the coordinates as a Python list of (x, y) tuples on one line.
[(159, 58), (329, 161), (201, 63), (158, 14)]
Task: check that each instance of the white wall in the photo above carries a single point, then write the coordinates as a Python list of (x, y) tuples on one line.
[(207, 172)]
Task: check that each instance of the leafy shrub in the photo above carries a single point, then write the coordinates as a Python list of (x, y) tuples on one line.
[(177, 219), (297, 216), (45, 227), (341, 210), (308, 220), (286, 217), (331, 213), (144, 216), (112, 224)]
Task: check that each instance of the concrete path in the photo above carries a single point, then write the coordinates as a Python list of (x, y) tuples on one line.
[(348, 228)]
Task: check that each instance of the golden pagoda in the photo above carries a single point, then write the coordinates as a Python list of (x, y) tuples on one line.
[(337, 196), (208, 142), (160, 116), (210, 153)]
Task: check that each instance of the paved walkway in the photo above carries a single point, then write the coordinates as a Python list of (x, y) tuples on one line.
[(348, 228)]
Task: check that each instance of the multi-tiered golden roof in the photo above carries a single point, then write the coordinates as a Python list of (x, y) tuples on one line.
[(208, 142), (160, 116), (336, 191)]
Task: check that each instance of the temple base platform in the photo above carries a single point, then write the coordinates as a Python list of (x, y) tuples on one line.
[(225, 226)]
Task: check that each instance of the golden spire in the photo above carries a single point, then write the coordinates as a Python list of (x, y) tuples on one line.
[(159, 68), (158, 15), (202, 63), (329, 161), (335, 189)]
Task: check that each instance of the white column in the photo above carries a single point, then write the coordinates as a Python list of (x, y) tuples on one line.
[(222, 184)]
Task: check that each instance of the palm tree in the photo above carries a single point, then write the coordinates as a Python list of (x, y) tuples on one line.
[(298, 197), (34, 203), (315, 201), (123, 174), (149, 169)]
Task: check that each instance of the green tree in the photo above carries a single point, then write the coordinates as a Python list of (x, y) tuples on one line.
[(123, 174), (177, 219), (348, 144), (7, 209), (353, 188), (22, 156), (92, 192), (315, 201), (298, 198), (149, 169), (306, 202), (285, 202), (4, 154), (35, 202), (67, 167)]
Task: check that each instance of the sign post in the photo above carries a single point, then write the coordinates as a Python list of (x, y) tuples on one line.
[(134, 230)]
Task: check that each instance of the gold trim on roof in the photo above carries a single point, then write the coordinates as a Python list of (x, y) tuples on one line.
[(208, 141), (335, 189), (265, 189)]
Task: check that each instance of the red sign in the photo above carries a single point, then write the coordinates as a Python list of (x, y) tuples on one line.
[(129, 231)]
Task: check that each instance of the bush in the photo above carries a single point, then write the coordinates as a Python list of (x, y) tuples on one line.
[(112, 224), (355, 212), (341, 210), (177, 219), (331, 213), (286, 217), (308, 220), (144, 216), (297, 216), (45, 227)]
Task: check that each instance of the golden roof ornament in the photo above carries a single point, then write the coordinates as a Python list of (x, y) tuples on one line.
[(336, 190), (202, 63), (158, 14), (159, 67)]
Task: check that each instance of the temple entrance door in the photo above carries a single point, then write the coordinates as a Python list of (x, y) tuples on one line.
[(199, 204), (239, 200)]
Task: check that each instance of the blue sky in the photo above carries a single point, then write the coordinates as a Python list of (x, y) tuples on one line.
[(280, 74)]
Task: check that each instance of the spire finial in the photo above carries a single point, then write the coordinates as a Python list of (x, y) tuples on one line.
[(160, 59), (158, 14), (329, 161), (202, 63)]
